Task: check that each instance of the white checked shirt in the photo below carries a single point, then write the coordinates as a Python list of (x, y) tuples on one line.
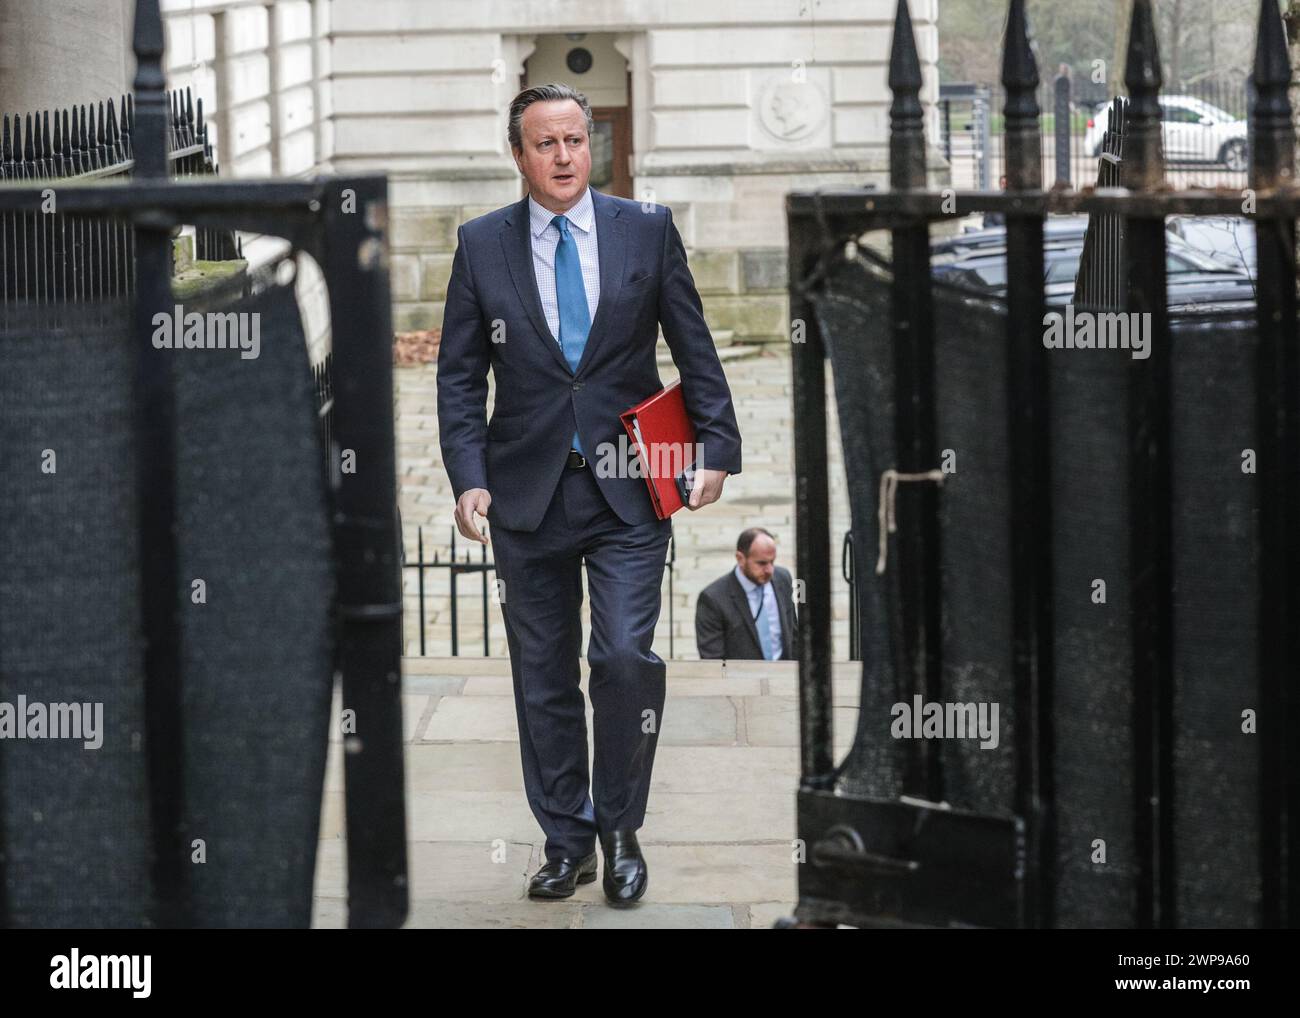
[(768, 592), (545, 237)]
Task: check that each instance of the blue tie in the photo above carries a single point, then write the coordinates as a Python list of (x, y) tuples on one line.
[(764, 625), (575, 318)]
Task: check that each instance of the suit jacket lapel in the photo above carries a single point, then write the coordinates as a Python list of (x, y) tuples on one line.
[(742, 604), (611, 250), (517, 245)]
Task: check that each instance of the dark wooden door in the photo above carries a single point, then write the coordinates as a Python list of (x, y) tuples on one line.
[(611, 147)]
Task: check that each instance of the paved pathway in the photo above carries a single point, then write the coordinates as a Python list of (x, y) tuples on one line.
[(719, 826)]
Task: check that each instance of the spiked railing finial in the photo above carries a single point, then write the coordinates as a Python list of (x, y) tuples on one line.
[(149, 139), (1020, 80), (1272, 158), (906, 131), (1144, 161)]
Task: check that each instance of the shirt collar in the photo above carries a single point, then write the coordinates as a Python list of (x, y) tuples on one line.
[(745, 582), (580, 216)]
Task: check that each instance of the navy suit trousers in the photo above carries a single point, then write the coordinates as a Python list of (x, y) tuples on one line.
[(540, 602)]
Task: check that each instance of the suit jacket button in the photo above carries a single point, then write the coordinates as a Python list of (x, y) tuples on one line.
[(577, 386)]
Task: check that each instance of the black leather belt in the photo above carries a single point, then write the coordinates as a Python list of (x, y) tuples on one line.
[(576, 460)]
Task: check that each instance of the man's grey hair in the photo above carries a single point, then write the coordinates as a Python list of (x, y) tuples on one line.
[(542, 93)]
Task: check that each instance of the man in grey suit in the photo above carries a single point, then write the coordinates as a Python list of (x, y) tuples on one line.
[(749, 613), (561, 294)]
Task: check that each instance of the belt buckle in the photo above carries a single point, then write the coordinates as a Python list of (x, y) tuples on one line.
[(582, 460)]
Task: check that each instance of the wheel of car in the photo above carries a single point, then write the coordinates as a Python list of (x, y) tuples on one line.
[(1233, 155)]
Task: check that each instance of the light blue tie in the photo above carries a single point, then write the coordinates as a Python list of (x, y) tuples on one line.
[(575, 318), (764, 626)]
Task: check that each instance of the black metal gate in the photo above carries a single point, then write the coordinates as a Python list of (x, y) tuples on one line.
[(1093, 549), (181, 768)]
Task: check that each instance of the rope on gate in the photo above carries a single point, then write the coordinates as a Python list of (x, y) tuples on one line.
[(885, 513)]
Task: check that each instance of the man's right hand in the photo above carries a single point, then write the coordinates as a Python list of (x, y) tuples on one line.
[(473, 500)]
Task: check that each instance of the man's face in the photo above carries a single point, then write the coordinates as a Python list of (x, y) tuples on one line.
[(759, 564), (555, 157)]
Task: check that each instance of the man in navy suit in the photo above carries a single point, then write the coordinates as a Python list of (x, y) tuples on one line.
[(561, 294)]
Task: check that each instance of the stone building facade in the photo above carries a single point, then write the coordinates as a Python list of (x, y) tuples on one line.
[(714, 108)]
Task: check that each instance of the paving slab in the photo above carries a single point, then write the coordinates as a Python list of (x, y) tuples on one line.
[(448, 870), (473, 719), (720, 816), (655, 916), (763, 914), (468, 915)]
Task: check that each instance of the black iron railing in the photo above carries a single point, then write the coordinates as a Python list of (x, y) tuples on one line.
[(323, 383), (45, 257), (1100, 281), (848, 569), (462, 562)]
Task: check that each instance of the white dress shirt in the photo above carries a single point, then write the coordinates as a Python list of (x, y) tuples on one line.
[(545, 237), (756, 595)]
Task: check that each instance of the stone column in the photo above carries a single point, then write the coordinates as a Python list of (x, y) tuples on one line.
[(57, 53)]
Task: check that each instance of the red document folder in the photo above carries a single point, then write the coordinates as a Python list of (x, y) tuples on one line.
[(662, 434)]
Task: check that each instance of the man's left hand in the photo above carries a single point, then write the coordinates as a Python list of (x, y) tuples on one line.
[(706, 488)]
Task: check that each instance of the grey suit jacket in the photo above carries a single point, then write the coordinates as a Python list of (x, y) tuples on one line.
[(724, 624)]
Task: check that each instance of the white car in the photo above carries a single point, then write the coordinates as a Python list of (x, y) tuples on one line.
[(1193, 131)]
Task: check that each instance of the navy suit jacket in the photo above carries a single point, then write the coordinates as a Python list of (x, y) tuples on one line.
[(494, 317)]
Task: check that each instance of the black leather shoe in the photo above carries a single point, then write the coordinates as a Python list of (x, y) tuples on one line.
[(559, 878), (626, 875)]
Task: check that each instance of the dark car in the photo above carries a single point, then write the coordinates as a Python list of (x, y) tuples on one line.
[(986, 271), (1055, 228), (1229, 240), (1190, 291)]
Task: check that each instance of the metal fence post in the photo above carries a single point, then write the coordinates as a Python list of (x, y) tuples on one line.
[(848, 569), (1273, 166), (1062, 126), (1029, 453), (914, 425), (156, 481), (1151, 543), (984, 125), (945, 121)]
